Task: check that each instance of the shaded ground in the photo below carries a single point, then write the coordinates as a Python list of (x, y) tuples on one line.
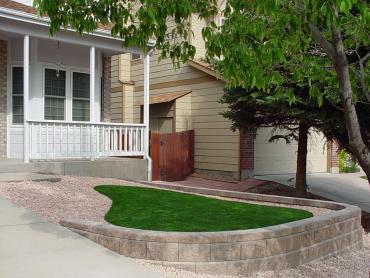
[(345, 188)]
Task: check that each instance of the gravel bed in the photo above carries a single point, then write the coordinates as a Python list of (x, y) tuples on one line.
[(350, 264), (74, 197)]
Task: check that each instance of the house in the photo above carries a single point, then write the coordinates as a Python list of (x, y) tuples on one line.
[(55, 95), (71, 104), (188, 98)]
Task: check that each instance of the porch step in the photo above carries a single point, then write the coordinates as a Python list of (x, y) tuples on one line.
[(21, 176)]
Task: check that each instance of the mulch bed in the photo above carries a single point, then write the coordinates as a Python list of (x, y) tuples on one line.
[(272, 188)]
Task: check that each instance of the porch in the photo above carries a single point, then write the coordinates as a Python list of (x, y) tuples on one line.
[(57, 89)]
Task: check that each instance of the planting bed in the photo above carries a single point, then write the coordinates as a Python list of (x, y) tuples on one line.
[(237, 251)]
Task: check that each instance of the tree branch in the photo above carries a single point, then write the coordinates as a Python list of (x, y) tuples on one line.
[(322, 41), (362, 75)]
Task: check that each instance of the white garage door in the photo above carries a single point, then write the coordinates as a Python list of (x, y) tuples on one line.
[(280, 158)]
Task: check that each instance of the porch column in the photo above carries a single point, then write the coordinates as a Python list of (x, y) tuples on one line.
[(92, 97), (146, 115), (26, 93)]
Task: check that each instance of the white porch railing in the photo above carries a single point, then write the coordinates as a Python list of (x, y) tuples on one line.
[(64, 140)]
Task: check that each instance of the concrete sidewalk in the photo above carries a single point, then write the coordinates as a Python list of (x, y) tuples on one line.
[(345, 188), (31, 247)]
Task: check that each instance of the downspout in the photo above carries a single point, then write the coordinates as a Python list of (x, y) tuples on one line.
[(146, 114)]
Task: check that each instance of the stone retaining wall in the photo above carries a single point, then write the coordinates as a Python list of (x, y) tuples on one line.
[(236, 252)]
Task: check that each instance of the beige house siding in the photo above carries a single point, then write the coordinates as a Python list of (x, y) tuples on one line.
[(116, 92), (216, 146), (115, 72), (122, 95), (196, 38), (162, 117), (183, 113)]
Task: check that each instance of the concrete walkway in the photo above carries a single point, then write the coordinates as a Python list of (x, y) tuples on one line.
[(346, 188), (30, 247)]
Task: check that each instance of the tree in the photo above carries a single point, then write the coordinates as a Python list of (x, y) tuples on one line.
[(259, 38), (250, 110)]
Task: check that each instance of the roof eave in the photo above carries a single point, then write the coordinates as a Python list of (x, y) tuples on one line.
[(43, 21), (205, 69)]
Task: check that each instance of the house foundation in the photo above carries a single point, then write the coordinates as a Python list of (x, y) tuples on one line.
[(3, 98)]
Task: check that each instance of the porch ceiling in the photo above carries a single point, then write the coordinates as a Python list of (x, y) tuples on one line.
[(14, 20)]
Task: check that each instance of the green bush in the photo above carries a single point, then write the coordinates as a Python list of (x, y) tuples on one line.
[(347, 164)]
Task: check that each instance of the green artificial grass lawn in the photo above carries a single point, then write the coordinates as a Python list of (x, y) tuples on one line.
[(162, 210)]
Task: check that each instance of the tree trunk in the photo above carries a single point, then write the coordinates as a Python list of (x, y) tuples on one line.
[(300, 177), (356, 143)]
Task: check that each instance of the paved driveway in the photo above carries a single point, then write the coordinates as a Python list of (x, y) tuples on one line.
[(30, 247), (346, 188)]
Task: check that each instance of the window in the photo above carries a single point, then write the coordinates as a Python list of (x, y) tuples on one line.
[(136, 56), (81, 97), (55, 94), (17, 90)]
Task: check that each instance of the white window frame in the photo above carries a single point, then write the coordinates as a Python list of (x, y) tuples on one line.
[(44, 68), (10, 101), (71, 89)]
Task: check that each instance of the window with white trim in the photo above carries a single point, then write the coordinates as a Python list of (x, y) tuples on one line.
[(80, 96), (17, 95), (55, 94)]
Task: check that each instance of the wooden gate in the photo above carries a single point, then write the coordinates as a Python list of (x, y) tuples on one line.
[(172, 155)]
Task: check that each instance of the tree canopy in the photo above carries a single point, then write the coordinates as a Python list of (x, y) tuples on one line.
[(259, 38)]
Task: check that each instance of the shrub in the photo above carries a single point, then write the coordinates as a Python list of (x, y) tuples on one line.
[(347, 163)]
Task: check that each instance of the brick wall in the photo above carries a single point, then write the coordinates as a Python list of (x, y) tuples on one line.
[(3, 98), (246, 154), (333, 159), (106, 115)]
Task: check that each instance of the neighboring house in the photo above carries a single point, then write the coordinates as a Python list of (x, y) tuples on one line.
[(188, 98), (55, 92)]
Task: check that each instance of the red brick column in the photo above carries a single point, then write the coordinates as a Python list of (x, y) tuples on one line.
[(333, 157), (3, 98), (246, 154), (106, 109)]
